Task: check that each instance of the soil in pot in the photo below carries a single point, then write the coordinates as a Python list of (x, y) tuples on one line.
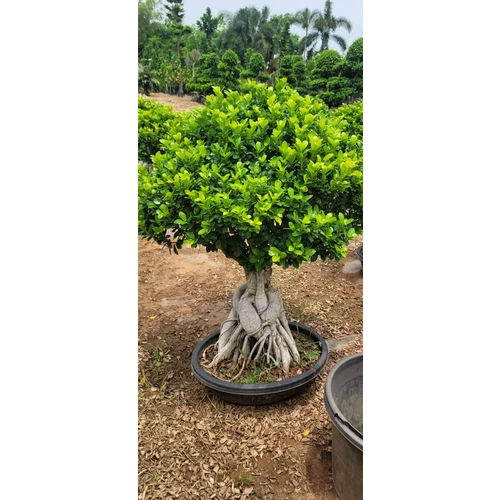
[(263, 393), (261, 372)]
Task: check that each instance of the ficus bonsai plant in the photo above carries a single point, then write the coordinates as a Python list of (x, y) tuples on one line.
[(267, 177)]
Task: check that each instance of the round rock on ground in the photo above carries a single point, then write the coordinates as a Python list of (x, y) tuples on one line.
[(352, 267)]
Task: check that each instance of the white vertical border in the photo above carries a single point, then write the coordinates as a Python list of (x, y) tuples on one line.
[(431, 331), (69, 250)]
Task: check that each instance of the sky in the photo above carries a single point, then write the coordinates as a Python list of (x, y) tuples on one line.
[(350, 9)]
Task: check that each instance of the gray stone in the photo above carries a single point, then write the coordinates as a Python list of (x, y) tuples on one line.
[(338, 344), (352, 267)]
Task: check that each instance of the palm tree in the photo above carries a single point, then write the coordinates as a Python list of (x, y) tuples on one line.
[(244, 25), (265, 40), (325, 26), (305, 19), (252, 28)]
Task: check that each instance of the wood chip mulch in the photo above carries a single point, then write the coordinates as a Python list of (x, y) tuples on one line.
[(193, 445)]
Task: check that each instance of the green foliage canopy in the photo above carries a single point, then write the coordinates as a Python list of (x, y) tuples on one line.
[(256, 64), (166, 46), (212, 71), (266, 175), (355, 51), (335, 79), (229, 69), (153, 126), (351, 116), (208, 24), (175, 11), (293, 68)]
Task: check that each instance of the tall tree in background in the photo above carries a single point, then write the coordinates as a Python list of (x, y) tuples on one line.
[(305, 19), (175, 15), (266, 39), (285, 42), (147, 21), (246, 30), (175, 11), (208, 24), (325, 26)]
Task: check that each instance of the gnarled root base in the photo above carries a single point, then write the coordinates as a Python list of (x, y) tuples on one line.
[(256, 327)]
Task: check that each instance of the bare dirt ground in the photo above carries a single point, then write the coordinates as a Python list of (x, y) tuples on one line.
[(178, 103), (193, 445)]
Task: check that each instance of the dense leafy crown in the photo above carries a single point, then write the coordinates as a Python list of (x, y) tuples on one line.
[(355, 51), (153, 125), (352, 120), (264, 175)]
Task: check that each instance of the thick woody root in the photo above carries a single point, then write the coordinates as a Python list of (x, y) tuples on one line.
[(257, 327)]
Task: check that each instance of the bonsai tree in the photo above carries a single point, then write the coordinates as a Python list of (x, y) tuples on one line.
[(293, 68), (206, 76), (267, 177), (256, 64), (229, 69), (354, 66)]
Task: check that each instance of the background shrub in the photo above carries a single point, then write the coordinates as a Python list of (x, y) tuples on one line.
[(206, 76), (251, 43), (293, 68)]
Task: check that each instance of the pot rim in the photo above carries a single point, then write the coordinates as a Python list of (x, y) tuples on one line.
[(339, 420), (260, 389)]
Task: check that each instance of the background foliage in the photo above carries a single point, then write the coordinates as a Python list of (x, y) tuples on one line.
[(249, 43)]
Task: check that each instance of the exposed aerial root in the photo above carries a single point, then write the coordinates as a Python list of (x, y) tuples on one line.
[(256, 327)]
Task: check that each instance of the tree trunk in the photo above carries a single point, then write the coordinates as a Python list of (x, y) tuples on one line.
[(305, 46), (256, 327), (324, 40), (181, 89)]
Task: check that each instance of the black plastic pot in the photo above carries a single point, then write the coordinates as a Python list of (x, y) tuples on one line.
[(259, 394), (359, 253), (344, 403)]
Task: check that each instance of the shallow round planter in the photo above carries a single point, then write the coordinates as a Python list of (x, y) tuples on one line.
[(344, 403), (359, 253), (259, 394)]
